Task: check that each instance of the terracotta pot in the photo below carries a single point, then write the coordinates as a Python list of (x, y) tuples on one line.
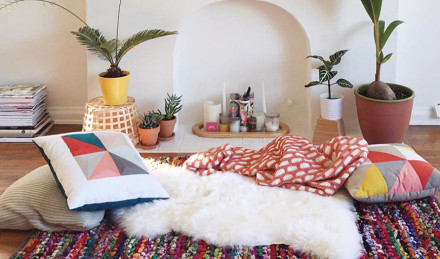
[(384, 121), (331, 109), (149, 136), (166, 127), (114, 90)]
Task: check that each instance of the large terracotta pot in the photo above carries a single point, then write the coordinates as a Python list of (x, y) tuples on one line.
[(166, 128), (384, 121), (149, 136), (114, 90)]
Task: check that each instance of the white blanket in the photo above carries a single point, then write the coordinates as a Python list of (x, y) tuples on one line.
[(229, 209)]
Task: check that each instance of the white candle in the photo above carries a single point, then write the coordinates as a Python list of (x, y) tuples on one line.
[(224, 98), (260, 120), (211, 112), (263, 95)]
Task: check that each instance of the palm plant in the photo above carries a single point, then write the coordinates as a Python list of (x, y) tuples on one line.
[(378, 89), (109, 50), (326, 73), (172, 106)]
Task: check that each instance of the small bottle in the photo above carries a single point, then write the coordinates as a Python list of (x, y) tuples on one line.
[(234, 125), (252, 124)]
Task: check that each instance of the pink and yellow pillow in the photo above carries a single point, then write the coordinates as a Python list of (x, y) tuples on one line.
[(393, 172)]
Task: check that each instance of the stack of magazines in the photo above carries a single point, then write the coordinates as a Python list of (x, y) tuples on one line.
[(23, 112)]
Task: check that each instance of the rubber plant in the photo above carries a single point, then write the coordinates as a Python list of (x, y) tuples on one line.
[(109, 50), (379, 89), (326, 72)]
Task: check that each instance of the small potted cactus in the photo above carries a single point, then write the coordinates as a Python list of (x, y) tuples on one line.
[(149, 129), (167, 120)]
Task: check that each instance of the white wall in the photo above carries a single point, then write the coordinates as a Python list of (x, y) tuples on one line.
[(39, 47), (418, 56), (36, 47)]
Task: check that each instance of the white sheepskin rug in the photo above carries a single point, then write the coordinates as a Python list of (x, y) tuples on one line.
[(228, 209)]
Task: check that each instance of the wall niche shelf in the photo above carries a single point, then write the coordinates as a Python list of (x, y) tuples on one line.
[(198, 130)]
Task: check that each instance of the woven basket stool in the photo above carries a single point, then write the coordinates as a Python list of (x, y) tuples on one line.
[(122, 118)]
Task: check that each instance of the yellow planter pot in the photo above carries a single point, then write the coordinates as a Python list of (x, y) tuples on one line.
[(114, 90)]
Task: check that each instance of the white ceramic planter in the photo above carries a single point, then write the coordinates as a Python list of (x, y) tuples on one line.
[(331, 109)]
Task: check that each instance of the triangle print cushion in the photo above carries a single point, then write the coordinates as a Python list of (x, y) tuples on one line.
[(395, 172), (99, 170)]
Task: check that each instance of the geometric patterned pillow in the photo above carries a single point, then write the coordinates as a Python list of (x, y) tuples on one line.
[(99, 170), (393, 172)]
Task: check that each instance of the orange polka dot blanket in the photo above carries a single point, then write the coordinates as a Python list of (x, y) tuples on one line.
[(289, 161)]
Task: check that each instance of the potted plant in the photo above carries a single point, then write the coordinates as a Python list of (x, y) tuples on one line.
[(168, 119), (149, 128), (384, 110), (114, 82), (331, 104)]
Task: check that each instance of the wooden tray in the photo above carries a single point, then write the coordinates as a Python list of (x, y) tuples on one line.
[(198, 130)]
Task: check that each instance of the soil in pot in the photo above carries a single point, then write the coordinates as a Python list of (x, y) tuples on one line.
[(400, 93), (166, 128)]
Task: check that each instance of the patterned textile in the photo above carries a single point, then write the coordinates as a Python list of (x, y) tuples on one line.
[(392, 230), (400, 230), (89, 167), (393, 172), (289, 161)]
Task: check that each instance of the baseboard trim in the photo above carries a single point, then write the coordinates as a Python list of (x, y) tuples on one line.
[(67, 115), (424, 116)]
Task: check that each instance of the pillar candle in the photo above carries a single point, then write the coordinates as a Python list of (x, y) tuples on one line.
[(263, 95), (211, 112)]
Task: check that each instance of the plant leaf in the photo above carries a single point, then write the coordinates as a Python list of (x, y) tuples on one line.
[(381, 31), (94, 40), (379, 58), (388, 31), (326, 75), (373, 8), (336, 58), (139, 38), (344, 83), (387, 57), (316, 57), (369, 8), (312, 83)]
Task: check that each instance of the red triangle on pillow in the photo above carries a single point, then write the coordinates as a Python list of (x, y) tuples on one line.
[(378, 157), (423, 170), (78, 147)]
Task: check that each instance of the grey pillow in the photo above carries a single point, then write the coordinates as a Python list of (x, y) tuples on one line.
[(34, 201)]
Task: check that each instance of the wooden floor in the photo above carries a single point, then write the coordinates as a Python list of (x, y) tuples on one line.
[(17, 159)]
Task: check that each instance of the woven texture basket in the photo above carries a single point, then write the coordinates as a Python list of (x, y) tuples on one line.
[(122, 118)]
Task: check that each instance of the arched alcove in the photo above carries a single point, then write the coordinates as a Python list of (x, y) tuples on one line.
[(243, 42)]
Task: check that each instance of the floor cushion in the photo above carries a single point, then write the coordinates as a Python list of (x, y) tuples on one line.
[(99, 170), (34, 201), (393, 172)]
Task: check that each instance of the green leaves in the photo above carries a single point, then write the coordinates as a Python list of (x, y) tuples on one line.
[(344, 83), (139, 38), (317, 57), (312, 83), (326, 75), (95, 42), (172, 106), (336, 58), (384, 35), (373, 8)]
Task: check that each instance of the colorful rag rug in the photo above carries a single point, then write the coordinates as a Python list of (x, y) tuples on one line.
[(392, 230), (289, 161)]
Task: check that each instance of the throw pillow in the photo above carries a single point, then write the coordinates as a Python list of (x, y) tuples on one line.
[(99, 170), (393, 172), (34, 201)]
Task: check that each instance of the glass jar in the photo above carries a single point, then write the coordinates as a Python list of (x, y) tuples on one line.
[(272, 122)]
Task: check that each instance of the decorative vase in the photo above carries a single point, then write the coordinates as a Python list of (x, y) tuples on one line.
[(384, 121), (114, 90), (149, 136), (166, 128), (331, 109)]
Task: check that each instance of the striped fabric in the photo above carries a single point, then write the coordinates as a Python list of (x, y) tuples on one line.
[(35, 201)]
